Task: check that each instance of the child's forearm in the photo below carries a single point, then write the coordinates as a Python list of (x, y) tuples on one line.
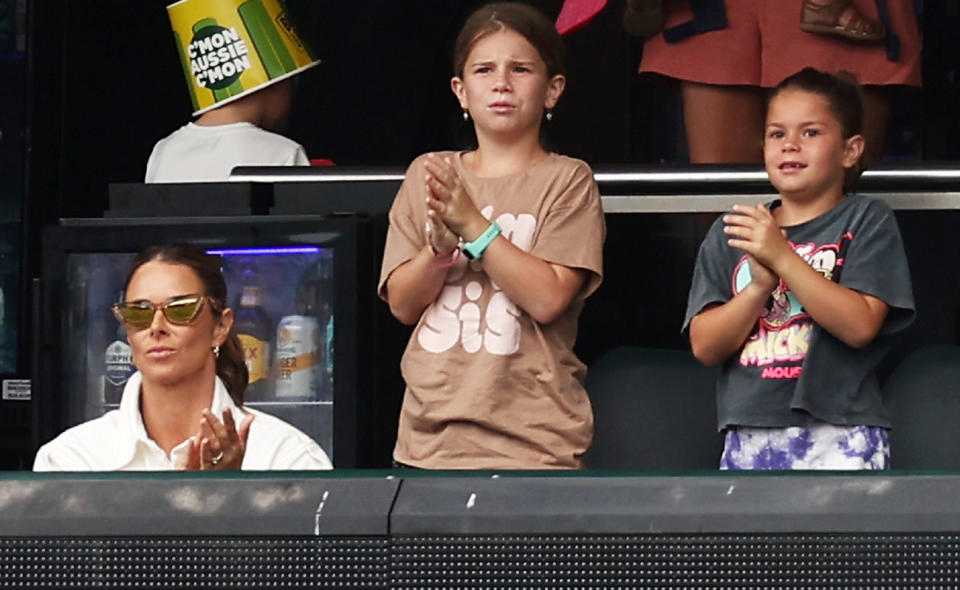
[(852, 317), (415, 284), (720, 331), (541, 289)]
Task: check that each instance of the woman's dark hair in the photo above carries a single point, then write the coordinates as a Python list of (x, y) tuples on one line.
[(231, 367), (522, 18), (842, 93)]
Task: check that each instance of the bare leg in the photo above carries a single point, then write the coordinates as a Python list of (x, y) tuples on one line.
[(724, 124), (876, 110)]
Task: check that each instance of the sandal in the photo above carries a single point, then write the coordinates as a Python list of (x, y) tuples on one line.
[(643, 18), (826, 19)]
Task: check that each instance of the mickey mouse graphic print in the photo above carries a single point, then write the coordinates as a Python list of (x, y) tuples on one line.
[(789, 371), (488, 387), (781, 339)]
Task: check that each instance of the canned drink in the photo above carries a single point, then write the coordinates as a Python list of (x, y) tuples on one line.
[(297, 365)]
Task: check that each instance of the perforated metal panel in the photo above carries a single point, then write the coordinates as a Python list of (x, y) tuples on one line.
[(679, 562), (648, 561), (194, 562)]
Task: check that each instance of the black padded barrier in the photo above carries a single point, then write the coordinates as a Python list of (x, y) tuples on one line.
[(709, 531), (178, 530), (481, 530)]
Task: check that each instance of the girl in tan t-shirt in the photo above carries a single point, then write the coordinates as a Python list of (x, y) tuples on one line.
[(507, 82)]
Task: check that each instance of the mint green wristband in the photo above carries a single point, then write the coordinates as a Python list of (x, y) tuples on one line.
[(474, 250)]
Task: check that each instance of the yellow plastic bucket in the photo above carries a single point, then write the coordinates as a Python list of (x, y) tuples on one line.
[(230, 48)]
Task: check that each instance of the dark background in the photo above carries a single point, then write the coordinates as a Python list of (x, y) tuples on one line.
[(105, 84)]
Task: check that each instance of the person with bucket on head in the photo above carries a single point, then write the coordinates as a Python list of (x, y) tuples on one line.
[(238, 57)]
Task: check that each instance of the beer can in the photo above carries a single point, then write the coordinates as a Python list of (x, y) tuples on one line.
[(297, 366)]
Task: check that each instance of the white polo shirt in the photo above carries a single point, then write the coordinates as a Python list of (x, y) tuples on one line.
[(118, 441)]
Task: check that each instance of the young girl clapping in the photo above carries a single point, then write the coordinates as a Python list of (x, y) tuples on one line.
[(796, 298), (491, 253)]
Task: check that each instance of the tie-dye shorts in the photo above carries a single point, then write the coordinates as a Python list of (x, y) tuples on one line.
[(818, 446)]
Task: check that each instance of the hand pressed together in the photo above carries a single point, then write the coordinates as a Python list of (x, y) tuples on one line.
[(765, 279), (756, 232), (439, 236), (218, 445), (448, 200)]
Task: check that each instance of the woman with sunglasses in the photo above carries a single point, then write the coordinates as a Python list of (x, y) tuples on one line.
[(183, 408)]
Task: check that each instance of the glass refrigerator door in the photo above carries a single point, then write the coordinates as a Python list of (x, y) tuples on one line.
[(97, 357), (9, 283), (282, 299), (12, 158)]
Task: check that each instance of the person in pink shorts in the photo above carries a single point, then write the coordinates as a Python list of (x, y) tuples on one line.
[(725, 72)]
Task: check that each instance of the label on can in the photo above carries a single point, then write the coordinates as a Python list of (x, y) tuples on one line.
[(255, 352), (297, 361)]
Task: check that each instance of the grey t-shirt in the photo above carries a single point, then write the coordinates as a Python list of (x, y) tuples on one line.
[(789, 371)]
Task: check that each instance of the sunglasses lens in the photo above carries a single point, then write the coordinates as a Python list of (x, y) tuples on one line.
[(138, 316), (183, 311)]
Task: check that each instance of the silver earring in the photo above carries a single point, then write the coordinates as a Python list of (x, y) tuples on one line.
[(466, 116), (216, 351), (549, 115)]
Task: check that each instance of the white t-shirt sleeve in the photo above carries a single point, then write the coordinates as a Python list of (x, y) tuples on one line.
[(151, 165), (299, 157)]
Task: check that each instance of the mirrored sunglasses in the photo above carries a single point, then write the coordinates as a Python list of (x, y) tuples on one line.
[(181, 311)]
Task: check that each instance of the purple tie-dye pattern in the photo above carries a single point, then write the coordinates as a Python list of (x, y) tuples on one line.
[(771, 458), (847, 449), (875, 437), (878, 439), (734, 442), (731, 448), (801, 445), (819, 446)]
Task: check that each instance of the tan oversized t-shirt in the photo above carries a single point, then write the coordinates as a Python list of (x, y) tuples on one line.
[(487, 386)]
